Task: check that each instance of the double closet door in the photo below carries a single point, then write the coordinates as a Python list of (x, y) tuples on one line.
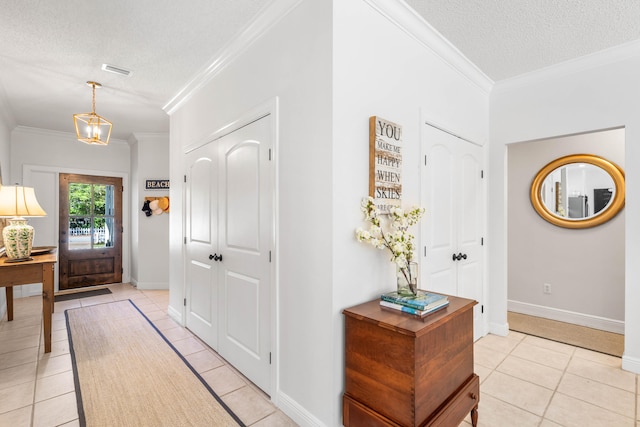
[(452, 234), (229, 242)]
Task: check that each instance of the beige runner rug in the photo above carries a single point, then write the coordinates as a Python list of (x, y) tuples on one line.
[(128, 374), (579, 336)]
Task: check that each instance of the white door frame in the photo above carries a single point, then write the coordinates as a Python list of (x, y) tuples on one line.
[(270, 109)]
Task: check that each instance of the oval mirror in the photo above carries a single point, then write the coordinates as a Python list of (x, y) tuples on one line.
[(578, 191)]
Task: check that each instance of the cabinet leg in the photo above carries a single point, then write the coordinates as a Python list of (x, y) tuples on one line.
[(474, 416)]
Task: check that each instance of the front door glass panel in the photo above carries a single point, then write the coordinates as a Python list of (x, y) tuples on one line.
[(91, 216)]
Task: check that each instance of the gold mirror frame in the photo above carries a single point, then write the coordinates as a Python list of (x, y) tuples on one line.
[(612, 210)]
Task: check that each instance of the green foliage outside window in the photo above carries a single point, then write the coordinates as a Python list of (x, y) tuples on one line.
[(81, 197), (88, 210)]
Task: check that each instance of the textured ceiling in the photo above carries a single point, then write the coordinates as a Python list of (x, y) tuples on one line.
[(49, 49), (506, 38)]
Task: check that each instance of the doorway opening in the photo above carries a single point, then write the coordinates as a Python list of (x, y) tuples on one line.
[(90, 231), (574, 276)]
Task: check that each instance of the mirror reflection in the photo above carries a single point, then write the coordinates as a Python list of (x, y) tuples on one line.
[(577, 191)]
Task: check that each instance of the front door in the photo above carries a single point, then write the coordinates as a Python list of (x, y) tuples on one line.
[(90, 240), (229, 247)]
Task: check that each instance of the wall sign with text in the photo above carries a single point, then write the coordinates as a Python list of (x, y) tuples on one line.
[(156, 184), (385, 163)]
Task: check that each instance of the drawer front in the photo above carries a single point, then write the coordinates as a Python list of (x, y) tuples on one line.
[(355, 414), (459, 406)]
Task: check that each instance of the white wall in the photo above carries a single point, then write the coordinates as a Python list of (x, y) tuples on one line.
[(5, 172), (585, 267), (135, 218), (325, 64), (597, 92), (5, 150), (150, 235)]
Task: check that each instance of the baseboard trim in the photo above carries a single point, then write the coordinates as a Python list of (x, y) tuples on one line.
[(152, 285), (296, 412), (175, 315), (500, 329), (595, 322), (631, 364)]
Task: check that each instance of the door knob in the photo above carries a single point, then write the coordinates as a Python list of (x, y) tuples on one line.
[(459, 256), (216, 257), (212, 256)]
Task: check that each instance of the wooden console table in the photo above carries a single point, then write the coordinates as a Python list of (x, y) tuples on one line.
[(402, 370), (39, 270)]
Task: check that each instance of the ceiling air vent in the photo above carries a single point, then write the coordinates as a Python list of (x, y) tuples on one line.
[(116, 70)]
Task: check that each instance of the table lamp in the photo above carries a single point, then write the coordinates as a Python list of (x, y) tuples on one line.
[(17, 202)]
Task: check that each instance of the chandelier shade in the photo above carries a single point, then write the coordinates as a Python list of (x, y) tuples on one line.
[(90, 127)]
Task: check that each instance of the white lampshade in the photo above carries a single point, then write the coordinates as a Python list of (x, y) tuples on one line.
[(17, 202)]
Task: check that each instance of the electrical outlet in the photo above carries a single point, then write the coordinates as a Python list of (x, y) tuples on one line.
[(546, 288)]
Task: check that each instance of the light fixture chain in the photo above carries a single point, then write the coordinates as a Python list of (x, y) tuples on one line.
[(93, 104)]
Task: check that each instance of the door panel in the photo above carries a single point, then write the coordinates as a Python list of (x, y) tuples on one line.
[(439, 272), (245, 242), (201, 195), (243, 207), (201, 223), (202, 296), (90, 230), (242, 325), (453, 191)]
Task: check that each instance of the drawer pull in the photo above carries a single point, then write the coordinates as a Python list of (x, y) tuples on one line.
[(473, 396)]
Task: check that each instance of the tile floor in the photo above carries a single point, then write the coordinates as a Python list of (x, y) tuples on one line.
[(37, 389), (529, 381), (525, 381)]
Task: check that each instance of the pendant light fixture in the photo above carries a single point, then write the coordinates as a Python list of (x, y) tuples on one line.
[(90, 127)]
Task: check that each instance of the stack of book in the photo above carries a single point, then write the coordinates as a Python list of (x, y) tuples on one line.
[(420, 305)]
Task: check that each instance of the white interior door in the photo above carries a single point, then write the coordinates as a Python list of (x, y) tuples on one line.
[(202, 291), (452, 235), (246, 241), (229, 244)]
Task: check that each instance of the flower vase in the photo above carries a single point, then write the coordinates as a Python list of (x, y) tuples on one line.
[(407, 279)]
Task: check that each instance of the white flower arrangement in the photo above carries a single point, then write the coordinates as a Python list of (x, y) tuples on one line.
[(393, 235)]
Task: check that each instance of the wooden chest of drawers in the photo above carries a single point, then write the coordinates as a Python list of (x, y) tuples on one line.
[(401, 370)]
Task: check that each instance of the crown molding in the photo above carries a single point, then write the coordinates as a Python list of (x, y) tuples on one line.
[(402, 15), (137, 137), (246, 37), (57, 133), (573, 66), (141, 135)]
